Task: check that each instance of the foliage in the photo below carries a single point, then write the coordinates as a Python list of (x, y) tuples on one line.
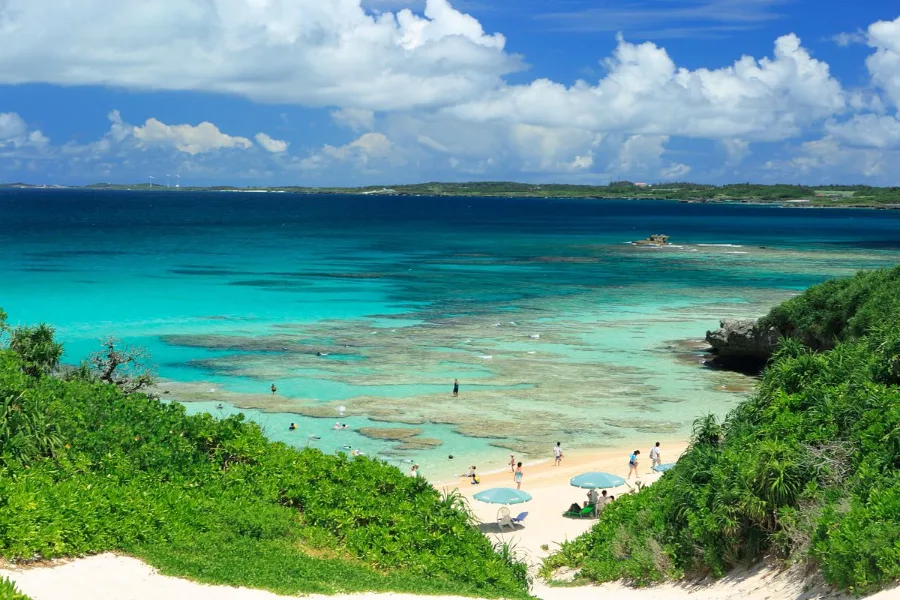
[(840, 309), (38, 352), (87, 468), (807, 469), (8, 591)]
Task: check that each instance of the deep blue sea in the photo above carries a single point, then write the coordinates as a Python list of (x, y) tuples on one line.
[(363, 309)]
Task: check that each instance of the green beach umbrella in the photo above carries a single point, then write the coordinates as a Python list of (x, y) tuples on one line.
[(592, 481), (663, 468), (503, 496)]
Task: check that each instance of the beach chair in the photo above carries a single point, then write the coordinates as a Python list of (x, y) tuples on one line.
[(521, 517), (585, 513), (504, 519)]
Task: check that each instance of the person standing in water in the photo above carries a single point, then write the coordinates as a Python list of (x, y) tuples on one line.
[(519, 476), (633, 464), (455, 388), (512, 463), (557, 454), (274, 389)]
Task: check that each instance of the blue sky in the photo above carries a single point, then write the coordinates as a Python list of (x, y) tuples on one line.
[(344, 92)]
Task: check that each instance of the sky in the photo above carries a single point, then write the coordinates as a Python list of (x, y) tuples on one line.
[(380, 92)]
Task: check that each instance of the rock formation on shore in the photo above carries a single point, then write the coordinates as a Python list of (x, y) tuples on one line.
[(742, 344)]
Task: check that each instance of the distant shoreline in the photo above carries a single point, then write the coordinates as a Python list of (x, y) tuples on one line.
[(781, 196)]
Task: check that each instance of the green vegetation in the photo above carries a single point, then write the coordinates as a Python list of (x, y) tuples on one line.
[(835, 196), (86, 467), (839, 309), (8, 591), (807, 469)]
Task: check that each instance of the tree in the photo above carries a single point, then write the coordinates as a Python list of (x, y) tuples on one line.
[(38, 352), (125, 367)]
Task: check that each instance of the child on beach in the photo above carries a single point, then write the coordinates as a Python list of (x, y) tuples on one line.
[(633, 464), (655, 458), (455, 388), (557, 454), (512, 463), (274, 389), (519, 476)]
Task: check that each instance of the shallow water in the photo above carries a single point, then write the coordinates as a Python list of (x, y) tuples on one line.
[(556, 327)]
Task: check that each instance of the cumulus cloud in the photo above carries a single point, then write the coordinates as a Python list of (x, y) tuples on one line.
[(190, 139), (645, 93), (363, 152), (288, 51), (14, 132), (884, 64), (270, 144)]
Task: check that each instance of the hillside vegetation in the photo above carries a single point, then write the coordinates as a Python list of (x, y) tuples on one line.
[(86, 468), (807, 469), (836, 195)]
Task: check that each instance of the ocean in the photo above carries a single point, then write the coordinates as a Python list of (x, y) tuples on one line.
[(362, 310)]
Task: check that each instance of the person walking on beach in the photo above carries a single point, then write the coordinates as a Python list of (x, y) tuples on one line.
[(557, 454), (455, 388), (274, 389), (633, 464), (655, 458), (512, 463), (519, 476)]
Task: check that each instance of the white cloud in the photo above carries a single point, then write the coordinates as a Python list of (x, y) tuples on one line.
[(867, 131), (845, 39), (309, 52), (356, 119), (14, 132), (884, 64), (189, 139), (270, 144), (645, 93), (364, 152)]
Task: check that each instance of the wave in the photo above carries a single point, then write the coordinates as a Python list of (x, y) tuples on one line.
[(721, 245)]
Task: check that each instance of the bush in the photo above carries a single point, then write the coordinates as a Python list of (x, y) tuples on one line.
[(86, 468), (808, 468), (8, 591)]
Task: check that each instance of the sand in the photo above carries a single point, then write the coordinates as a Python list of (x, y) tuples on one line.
[(551, 496), (112, 577)]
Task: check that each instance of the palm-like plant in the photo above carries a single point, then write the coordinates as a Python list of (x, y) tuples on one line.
[(38, 352)]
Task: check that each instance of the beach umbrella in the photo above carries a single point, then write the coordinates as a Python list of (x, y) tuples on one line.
[(596, 480), (503, 496), (663, 468)]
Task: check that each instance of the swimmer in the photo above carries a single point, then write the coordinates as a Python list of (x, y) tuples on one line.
[(219, 406), (344, 426), (292, 427), (337, 426)]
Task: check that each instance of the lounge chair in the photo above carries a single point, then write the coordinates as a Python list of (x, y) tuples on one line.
[(518, 520), (585, 513), (504, 520)]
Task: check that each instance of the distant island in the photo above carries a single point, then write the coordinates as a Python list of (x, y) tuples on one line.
[(859, 196)]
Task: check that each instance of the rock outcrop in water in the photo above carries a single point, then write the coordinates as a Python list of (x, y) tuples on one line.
[(742, 344), (657, 239)]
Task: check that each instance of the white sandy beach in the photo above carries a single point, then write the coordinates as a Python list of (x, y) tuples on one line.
[(112, 577)]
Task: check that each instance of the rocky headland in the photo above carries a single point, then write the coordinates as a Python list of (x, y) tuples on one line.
[(742, 344)]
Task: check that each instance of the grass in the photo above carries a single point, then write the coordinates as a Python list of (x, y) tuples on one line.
[(807, 469), (86, 468)]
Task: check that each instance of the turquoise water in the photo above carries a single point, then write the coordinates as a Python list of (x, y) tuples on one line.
[(556, 327)]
